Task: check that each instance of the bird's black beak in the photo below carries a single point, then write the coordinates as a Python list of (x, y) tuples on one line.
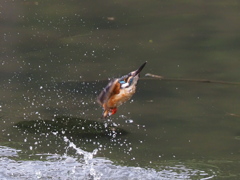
[(139, 69)]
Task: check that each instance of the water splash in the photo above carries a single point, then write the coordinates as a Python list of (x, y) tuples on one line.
[(66, 167), (87, 157)]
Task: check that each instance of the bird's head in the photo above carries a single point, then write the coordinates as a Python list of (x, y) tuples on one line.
[(132, 78)]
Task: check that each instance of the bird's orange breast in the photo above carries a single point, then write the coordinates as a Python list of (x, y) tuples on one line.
[(120, 98)]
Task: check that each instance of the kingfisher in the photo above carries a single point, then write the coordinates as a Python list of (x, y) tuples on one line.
[(118, 91)]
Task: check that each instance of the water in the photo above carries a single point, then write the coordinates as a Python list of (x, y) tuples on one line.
[(85, 166), (56, 56)]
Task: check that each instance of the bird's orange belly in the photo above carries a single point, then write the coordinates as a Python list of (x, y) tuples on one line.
[(118, 99)]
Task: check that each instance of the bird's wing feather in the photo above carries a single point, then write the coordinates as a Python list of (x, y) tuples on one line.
[(112, 88)]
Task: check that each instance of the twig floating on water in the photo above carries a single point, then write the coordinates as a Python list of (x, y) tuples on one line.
[(191, 80), (234, 115)]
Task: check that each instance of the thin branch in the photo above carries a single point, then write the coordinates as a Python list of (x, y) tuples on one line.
[(234, 115), (191, 80)]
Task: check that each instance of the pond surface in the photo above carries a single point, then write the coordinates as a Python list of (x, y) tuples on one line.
[(56, 56)]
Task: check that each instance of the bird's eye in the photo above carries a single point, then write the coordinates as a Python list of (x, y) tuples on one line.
[(126, 79), (130, 80)]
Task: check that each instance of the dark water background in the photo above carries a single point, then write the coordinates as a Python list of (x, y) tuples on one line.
[(56, 56)]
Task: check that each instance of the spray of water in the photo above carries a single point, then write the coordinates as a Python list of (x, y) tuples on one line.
[(90, 172), (66, 167)]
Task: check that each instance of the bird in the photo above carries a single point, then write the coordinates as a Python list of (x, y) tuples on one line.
[(118, 91)]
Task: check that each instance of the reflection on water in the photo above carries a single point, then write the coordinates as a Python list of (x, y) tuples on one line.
[(70, 126)]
